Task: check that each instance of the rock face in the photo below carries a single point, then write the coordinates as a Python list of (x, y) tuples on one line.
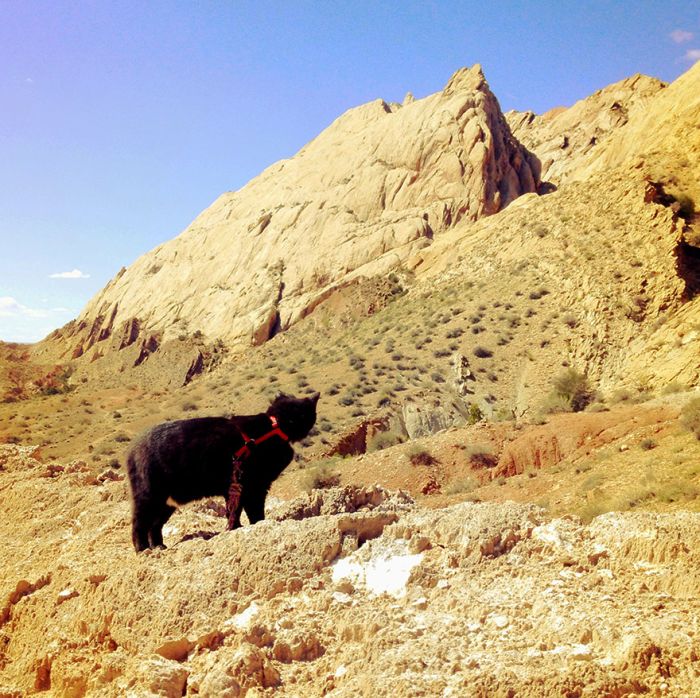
[(564, 139), (662, 138), (368, 192)]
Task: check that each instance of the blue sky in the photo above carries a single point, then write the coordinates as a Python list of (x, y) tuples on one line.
[(120, 121)]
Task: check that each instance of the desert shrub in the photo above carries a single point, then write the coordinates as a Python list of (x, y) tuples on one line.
[(690, 417), (321, 475), (475, 414), (189, 406), (573, 387), (357, 362), (554, 403), (461, 485), (570, 320), (122, 438), (677, 491), (539, 293), (622, 395), (420, 456), (384, 439), (673, 387), (647, 444), (686, 206), (482, 352), (454, 333), (346, 400), (481, 456)]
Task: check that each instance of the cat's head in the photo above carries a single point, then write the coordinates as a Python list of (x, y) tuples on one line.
[(296, 416)]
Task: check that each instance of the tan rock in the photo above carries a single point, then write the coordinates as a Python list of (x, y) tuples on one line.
[(359, 199)]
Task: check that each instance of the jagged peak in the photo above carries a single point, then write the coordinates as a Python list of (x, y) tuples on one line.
[(465, 79)]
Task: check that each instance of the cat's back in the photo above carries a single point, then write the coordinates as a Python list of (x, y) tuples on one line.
[(183, 435)]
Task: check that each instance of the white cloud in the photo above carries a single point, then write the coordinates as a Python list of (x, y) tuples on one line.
[(680, 36), (75, 274), (693, 54), (29, 81), (10, 307)]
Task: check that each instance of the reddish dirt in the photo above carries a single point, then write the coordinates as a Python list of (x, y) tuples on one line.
[(517, 448)]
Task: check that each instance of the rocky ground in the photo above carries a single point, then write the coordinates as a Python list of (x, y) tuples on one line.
[(349, 591)]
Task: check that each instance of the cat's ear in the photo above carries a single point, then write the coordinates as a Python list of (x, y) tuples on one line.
[(314, 398)]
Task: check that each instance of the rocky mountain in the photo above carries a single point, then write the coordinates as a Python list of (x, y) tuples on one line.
[(377, 185)]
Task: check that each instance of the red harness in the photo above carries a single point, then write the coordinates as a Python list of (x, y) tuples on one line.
[(244, 450)]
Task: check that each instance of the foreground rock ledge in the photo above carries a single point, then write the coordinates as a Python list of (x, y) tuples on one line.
[(380, 597)]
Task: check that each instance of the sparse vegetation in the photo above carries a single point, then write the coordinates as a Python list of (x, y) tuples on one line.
[(384, 439), (420, 456), (461, 485), (573, 388), (321, 475), (475, 414), (690, 417), (481, 455), (686, 206)]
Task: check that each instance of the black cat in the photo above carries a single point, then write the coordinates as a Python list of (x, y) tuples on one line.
[(177, 462)]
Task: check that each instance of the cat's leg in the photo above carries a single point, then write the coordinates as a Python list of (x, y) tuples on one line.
[(254, 505), (164, 512), (141, 522)]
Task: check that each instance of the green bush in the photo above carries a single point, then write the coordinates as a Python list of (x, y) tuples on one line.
[(320, 476), (481, 455), (686, 206), (573, 387), (420, 456), (475, 413), (690, 417), (384, 439), (461, 485)]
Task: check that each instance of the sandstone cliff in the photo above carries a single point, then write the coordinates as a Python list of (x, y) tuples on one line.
[(565, 139), (369, 191)]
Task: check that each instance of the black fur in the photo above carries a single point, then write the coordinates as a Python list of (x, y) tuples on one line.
[(192, 458)]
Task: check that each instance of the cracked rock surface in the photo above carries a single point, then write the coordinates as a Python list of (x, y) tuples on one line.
[(365, 594)]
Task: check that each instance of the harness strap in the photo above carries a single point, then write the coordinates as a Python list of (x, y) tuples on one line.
[(244, 451)]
